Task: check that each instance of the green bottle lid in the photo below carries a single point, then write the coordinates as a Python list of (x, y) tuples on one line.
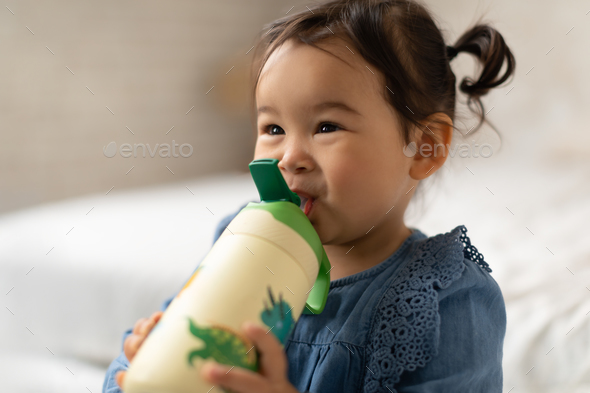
[(283, 204)]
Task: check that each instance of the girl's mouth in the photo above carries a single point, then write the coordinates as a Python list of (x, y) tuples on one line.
[(306, 205)]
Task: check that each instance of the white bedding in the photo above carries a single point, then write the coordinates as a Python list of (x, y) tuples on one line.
[(128, 251)]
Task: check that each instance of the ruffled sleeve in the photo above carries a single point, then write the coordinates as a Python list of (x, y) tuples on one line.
[(440, 325)]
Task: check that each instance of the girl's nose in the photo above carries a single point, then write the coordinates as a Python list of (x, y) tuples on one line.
[(296, 157)]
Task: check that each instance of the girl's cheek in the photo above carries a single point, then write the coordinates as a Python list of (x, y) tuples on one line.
[(349, 175), (346, 189)]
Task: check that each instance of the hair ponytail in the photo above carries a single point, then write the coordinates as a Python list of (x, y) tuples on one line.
[(488, 45)]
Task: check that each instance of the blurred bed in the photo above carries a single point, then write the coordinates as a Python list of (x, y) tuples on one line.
[(76, 274)]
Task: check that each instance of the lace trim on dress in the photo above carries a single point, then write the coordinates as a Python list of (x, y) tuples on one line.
[(405, 333), (471, 252)]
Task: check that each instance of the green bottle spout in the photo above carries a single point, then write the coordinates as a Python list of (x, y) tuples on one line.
[(270, 182)]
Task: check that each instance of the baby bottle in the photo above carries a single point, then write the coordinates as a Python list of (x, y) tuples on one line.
[(268, 266)]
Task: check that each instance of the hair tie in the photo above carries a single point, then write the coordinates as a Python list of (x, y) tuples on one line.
[(451, 52)]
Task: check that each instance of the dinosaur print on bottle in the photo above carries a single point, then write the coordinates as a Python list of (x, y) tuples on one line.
[(228, 346), (278, 317)]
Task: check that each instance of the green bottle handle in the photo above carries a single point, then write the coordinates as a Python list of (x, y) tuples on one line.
[(316, 301)]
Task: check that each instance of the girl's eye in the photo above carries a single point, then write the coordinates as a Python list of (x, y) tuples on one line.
[(328, 126), (273, 129), (270, 129)]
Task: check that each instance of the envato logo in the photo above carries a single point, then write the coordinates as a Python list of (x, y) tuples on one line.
[(464, 149), (126, 150)]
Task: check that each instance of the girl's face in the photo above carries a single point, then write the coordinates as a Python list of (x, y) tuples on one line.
[(336, 139)]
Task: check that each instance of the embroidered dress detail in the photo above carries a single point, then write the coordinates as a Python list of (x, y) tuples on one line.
[(405, 331), (471, 252)]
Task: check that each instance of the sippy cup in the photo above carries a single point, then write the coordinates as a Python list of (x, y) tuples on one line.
[(268, 266)]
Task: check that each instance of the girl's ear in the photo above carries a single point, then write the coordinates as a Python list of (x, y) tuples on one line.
[(431, 145)]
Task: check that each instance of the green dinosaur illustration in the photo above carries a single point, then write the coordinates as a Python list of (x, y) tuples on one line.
[(224, 345), (228, 346), (279, 317)]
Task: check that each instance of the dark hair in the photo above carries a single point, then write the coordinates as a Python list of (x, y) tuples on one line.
[(401, 40)]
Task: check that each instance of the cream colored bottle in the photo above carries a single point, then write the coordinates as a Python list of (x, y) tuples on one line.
[(268, 266)]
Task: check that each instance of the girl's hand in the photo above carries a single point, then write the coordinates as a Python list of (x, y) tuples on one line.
[(133, 341), (272, 374)]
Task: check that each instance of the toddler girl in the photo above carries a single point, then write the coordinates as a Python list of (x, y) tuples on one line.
[(356, 99)]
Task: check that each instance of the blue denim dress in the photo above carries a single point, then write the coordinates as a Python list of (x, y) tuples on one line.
[(430, 318)]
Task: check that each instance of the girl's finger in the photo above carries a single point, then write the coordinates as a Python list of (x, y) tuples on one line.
[(157, 315), (146, 327), (138, 343), (119, 377), (131, 346), (138, 325), (128, 346), (273, 361), (237, 379)]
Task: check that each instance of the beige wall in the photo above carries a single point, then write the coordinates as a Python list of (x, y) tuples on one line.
[(149, 62)]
